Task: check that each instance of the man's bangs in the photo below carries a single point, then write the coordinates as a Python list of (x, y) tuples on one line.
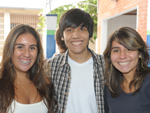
[(71, 22)]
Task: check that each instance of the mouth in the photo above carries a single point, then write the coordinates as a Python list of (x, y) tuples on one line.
[(124, 63), (25, 61), (77, 43)]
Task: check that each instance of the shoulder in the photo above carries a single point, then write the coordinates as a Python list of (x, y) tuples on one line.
[(57, 61), (98, 58), (96, 55), (147, 79), (106, 90), (146, 84)]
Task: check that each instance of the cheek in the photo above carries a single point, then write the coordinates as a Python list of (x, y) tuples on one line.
[(15, 54), (112, 57), (85, 34), (65, 35), (135, 58), (66, 40), (34, 54)]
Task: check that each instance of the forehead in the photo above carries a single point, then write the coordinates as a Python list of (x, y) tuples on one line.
[(75, 26), (115, 43), (26, 38)]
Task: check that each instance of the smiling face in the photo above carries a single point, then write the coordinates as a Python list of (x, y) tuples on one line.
[(25, 52), (76, 39), (123, 59)]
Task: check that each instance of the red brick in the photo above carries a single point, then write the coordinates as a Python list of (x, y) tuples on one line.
[(108, 8)]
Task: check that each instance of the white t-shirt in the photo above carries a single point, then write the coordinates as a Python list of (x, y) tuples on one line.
[(39, 107), (81, 97)]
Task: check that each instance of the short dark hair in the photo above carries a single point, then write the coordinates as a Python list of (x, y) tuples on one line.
[(60, 42), (75, 17)]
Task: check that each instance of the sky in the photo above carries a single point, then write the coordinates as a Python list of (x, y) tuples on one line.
[(35, 4), (29, 4)]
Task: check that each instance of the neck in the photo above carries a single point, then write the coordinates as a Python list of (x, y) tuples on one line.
[(21, 76), (126, 85), (61, 51), (80, 58)]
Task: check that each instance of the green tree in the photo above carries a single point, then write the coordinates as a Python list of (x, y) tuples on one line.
[(89, 6)]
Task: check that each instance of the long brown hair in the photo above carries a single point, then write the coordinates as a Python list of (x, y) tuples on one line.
[(36, 73), (130, 39)]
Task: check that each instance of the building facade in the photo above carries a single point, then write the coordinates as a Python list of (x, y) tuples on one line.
[(113, 14)]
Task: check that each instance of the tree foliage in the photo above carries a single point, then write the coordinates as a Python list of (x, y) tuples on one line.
[(89, 6)]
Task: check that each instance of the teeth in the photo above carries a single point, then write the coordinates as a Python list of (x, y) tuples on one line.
[(76, 43), (124, 63), (25, 62)]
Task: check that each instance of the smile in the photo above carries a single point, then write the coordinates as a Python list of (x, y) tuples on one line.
[(124, 63), (25, 62), (76, 43)]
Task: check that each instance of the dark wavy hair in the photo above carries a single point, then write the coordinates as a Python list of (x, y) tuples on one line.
[(60, 42), (132, 40), (75, 17), (36, 73)]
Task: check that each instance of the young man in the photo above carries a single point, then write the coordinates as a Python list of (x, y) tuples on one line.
[(78, 74)]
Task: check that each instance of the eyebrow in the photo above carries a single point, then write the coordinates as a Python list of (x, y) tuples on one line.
[(24, 45), (114, 48)]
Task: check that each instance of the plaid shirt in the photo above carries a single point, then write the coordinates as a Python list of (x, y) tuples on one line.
[(61, 77)]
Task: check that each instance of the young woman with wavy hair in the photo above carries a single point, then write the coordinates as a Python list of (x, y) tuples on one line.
[(24, 88)]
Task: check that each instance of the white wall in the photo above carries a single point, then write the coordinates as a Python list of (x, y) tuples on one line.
[(6, 24), (120, 21), (110, 25)]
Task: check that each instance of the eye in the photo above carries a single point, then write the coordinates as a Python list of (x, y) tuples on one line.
[(20, 47), (128, 49), (116, 50), (83, 28), (33, 47), (68, 29)]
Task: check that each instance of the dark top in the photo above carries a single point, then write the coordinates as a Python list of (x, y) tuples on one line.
[(127, 102)]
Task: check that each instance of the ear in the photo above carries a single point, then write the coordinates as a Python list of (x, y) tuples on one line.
[(62, 38), (140, 56)]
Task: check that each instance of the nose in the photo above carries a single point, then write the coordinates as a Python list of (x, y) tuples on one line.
[(75, 33), (123, 54), (26, 53)]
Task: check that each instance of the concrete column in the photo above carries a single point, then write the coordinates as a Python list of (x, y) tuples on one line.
[(6, 24)]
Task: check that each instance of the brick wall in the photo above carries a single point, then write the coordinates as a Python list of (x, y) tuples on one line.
[(108, 8)]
